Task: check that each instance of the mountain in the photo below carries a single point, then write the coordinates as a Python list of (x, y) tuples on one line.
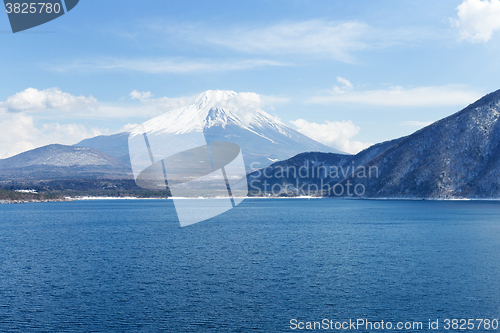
[(456, 157), (115, 145), (297, 173), (224, 116), (63, 162)]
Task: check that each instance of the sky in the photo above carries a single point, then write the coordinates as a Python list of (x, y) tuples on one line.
[(346, 73)]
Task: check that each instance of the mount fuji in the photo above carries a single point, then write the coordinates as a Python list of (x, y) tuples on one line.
[(225, 116)]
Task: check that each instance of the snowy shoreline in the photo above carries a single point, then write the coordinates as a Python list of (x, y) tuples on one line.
[(88, 198)]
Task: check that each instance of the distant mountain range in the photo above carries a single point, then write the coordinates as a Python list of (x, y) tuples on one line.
[(63, 162), (456, 157)]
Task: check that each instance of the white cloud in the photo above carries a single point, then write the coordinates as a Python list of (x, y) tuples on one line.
[(127, 128), (333, 134), (33, 99), (417, 123), (447, 95), (148, 107), (334, 39), (46, 103), (165, 66), (477, 20), (20, 133), (243, 105), (164, 104), (140, 95), (344, 82), (345, 85)]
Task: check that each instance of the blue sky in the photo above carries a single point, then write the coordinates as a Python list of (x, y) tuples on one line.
[(347, 73)]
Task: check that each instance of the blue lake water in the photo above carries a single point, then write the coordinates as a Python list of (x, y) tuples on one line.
[(127, 266)]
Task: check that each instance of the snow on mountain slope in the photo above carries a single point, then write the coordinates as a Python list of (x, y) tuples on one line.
[(60, 156), (63, 162), (217, 108), (234, 117), (455, 157)]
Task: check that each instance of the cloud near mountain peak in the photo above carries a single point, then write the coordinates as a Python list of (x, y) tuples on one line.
[(32, 99)]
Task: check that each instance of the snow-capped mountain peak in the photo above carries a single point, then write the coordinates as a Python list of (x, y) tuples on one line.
[(228, 116), (215, 108), (211, 98)]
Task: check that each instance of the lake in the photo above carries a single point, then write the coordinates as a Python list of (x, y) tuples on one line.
[(266, 266)]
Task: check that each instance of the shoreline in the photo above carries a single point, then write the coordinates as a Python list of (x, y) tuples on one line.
[(91, 198)]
